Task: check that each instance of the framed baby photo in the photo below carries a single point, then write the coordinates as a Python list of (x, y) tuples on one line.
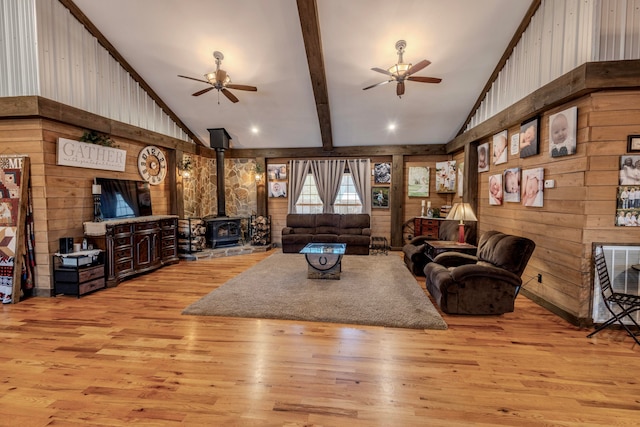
[(511, 179), (380, 197), (495, 189), (562, 132), (529, 137), (500, 148), (532, 193), (382, 173), (483, 157), (277, 171), (633, 144)]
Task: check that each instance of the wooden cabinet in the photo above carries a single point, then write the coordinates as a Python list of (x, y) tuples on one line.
[(78, 280), (137, 245), (426, 227)]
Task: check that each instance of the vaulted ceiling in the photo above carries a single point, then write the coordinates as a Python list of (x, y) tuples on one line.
[(310, 61)]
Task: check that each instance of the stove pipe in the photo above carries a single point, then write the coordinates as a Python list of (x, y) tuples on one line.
[(219, 140)]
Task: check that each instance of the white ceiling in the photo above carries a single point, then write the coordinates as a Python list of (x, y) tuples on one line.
[(262, 45)]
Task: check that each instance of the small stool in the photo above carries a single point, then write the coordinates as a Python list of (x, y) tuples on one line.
[(379, 245)]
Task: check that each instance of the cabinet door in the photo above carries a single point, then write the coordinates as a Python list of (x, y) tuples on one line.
[(147, 250)]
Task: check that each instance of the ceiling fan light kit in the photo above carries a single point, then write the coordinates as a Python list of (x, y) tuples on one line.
[(402, 71), (220, 80)]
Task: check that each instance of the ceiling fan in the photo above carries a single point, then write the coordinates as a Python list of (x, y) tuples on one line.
[(220, 80), (401, 71)]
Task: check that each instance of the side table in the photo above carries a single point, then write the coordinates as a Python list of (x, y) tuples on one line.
[(434, 248)]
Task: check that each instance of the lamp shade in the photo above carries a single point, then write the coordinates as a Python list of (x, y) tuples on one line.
[(462, 212)]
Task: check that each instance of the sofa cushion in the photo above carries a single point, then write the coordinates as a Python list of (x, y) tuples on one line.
[(325, 238), (301, 230), (353, 239), (355, 221), (302, 221)]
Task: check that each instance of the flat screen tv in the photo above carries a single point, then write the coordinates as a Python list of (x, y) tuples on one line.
[(122, 198)]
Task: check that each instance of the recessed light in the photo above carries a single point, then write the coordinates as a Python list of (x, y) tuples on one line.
[(391, 127), (255, 130)]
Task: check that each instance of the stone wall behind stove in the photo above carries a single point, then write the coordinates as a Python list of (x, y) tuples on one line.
[(200, 189)]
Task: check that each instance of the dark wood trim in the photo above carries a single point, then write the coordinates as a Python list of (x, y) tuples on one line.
[(535, 4), (352, 151), (84, 20), (308, 13), (396, 199), (261, 190), (576, 321), (587, 78), (470, 185), (38, 107)]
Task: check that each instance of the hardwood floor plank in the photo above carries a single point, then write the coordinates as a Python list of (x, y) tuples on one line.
[(127, 355)]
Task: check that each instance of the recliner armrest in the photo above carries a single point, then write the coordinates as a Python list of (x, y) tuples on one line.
[(455, 259), (466, 272), (418, 240), (366, 232), (287, 230), (412, 251)]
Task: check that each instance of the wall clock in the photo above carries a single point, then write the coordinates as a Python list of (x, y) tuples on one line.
[(152, 165)]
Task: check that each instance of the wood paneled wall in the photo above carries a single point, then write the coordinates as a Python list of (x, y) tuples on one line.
[(62, 197), (580, 209)]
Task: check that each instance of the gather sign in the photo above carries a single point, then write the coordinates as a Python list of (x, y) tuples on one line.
[(92, 156)]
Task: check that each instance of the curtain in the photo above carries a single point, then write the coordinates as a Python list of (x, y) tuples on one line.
[(328, 174), (361, 172), (298, 170)]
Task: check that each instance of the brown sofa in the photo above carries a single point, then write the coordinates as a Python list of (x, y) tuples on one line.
[(352, 229), (414, 252), (486, 283)]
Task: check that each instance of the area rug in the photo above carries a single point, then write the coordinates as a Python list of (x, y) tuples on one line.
[(372, 290)]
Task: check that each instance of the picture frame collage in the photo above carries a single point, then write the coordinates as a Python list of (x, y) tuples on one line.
[(526, 186), (382, 183), (277, 177)]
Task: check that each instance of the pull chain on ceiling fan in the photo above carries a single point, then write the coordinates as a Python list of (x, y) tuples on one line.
[(402, 71), (220, 80)]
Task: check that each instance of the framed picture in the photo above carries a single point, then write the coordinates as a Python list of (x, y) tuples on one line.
[(628, 206), (562, 132), (500, 148), (529, 137), (533, 187), (483, 157), (277, 189), (277, 171), (495, 189), (511, 180), (633, 143), (446, 177), (418, 184), (460, 179), (629, 170), (515, 144), (380, 197), (382, 173)]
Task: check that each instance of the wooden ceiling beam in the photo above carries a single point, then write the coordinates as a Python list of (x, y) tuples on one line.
[(308, 13)]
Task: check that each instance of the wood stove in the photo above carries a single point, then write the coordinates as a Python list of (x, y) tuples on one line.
[(223, 231)]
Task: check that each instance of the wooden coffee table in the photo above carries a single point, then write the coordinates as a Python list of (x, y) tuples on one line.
[(324, 260), (434, 248)]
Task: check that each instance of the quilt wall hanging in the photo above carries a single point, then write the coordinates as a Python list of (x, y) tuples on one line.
[(16, 229)]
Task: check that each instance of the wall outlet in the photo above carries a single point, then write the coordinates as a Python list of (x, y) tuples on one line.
[(549, 183), (539, 278)]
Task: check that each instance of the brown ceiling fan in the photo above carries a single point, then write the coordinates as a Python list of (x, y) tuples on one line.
[(220, 80), (402, 71)]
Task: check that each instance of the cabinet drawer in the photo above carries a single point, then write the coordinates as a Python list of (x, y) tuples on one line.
[(168, 233), (168, 253), (168, 223), (122, 228), (91, 273), (91, 286), (168, 243), (143, 226), (123, 265), (119, 242), (123, 253)]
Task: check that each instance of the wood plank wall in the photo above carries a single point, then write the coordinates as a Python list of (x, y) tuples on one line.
[(580, 209), (61, 194)]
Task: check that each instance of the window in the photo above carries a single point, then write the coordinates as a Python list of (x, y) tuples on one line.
[(347, 200)]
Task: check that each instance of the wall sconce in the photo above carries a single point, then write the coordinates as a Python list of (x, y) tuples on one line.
[(184, 170), (258, 177), (258, 172)]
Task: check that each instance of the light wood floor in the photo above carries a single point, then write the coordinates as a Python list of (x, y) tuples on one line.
[(126, 355)]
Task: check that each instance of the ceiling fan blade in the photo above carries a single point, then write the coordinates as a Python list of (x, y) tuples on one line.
[(400, 89), (380, 70), (200, 92), (424, 79), (419, 66), (221, 75), (191, 78), (377, 84), (242, 87), (229, 95)]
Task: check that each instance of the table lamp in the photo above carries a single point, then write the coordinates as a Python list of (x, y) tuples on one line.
[(461, 212)]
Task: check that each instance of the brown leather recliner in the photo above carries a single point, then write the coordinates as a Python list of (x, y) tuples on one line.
[(486, 283)]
